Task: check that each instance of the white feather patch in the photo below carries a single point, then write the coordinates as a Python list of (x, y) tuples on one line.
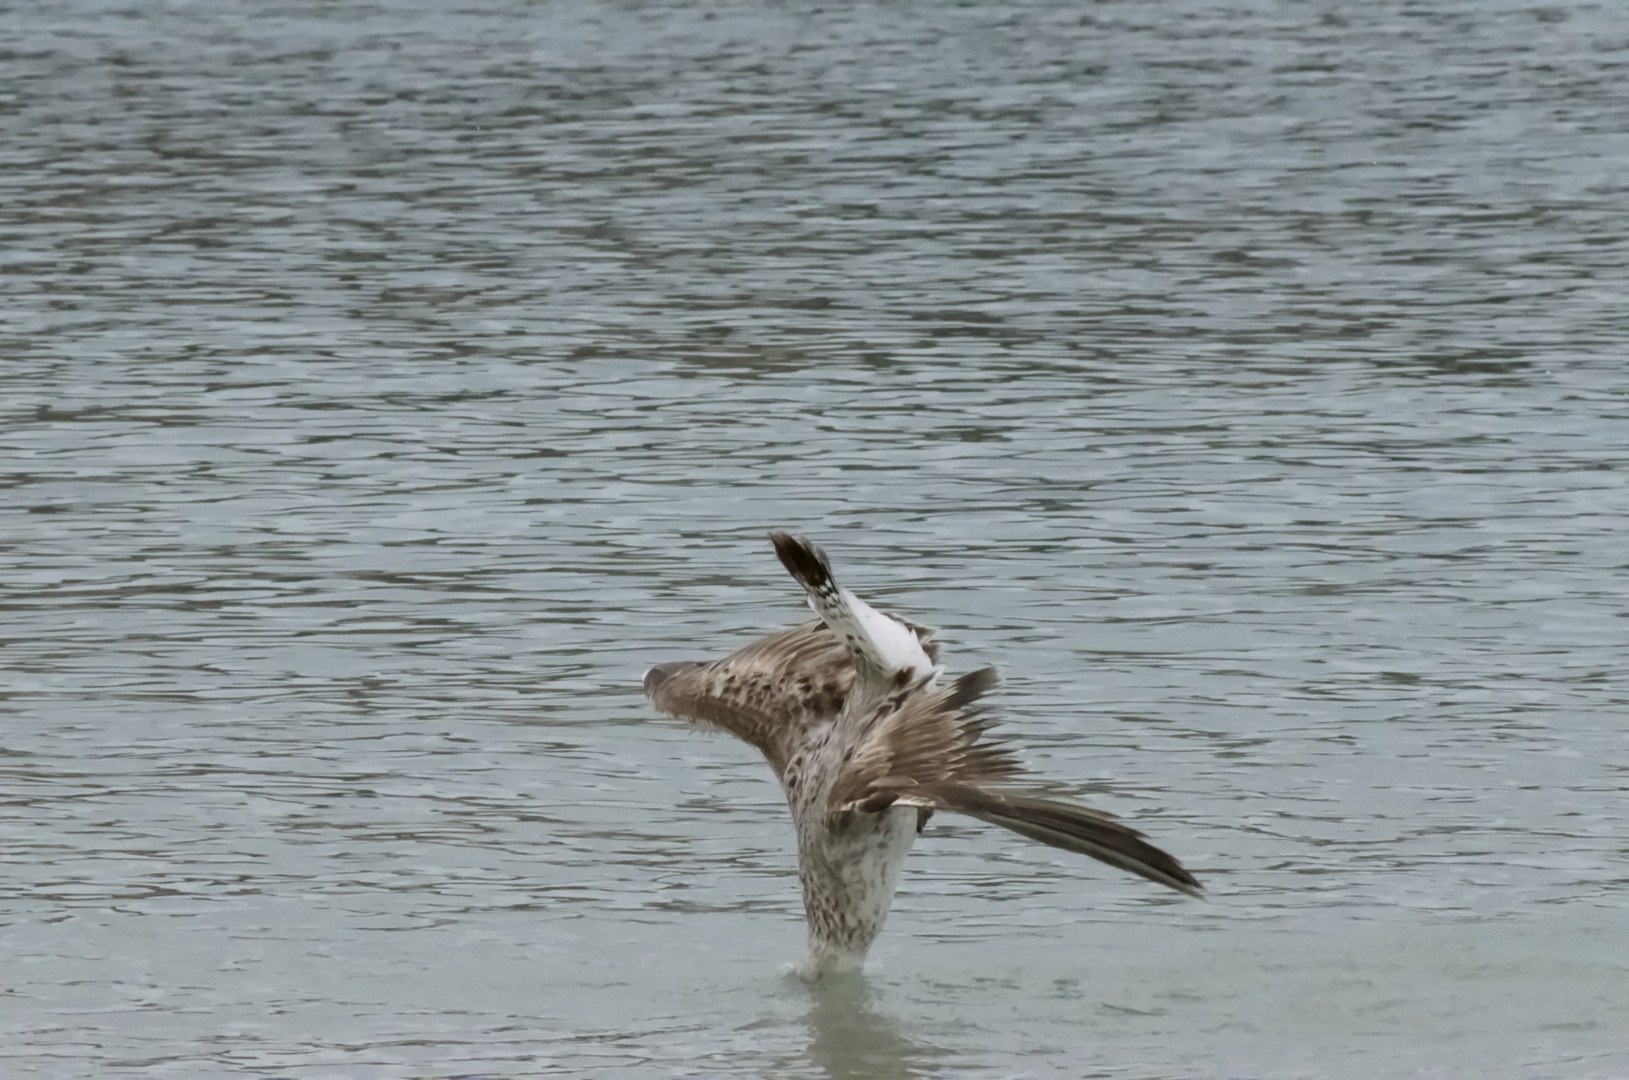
[(888, 644)]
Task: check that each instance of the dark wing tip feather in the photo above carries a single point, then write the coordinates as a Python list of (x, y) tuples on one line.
[(804, 561), (972, 686), (1072, 828)]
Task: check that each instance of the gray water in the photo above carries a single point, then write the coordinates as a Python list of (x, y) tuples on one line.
[(383, 387)]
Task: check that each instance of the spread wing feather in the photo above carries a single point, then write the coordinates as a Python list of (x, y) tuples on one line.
[(924, 734), (1064, 825), (767, 693), (927, 747)]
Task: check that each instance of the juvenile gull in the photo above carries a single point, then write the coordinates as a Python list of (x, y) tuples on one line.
[(848, 710)]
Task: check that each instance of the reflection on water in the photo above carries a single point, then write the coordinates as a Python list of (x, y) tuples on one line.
[(386, 387), (851, 1036)]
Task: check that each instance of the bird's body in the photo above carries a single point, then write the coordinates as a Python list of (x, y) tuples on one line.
[(850, 715)]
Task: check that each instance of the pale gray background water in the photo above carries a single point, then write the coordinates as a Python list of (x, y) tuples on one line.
[(386, 386)]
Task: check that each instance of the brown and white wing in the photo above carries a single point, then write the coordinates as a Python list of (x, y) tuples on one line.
[(924, 735), (764, 693), (926, 747)]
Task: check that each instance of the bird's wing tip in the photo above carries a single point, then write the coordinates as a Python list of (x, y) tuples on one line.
[(657, 676), (804, 561)]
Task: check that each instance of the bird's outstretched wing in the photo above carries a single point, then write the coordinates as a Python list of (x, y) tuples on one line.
[(927, 747), (920, 735), (766, 693)]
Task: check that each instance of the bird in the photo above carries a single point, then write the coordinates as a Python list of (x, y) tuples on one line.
[(849, 711)]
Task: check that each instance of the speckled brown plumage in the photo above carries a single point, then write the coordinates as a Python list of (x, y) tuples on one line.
[(771, 694), (848, 712)]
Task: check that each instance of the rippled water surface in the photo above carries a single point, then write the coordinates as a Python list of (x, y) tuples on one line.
[(386, 386)]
